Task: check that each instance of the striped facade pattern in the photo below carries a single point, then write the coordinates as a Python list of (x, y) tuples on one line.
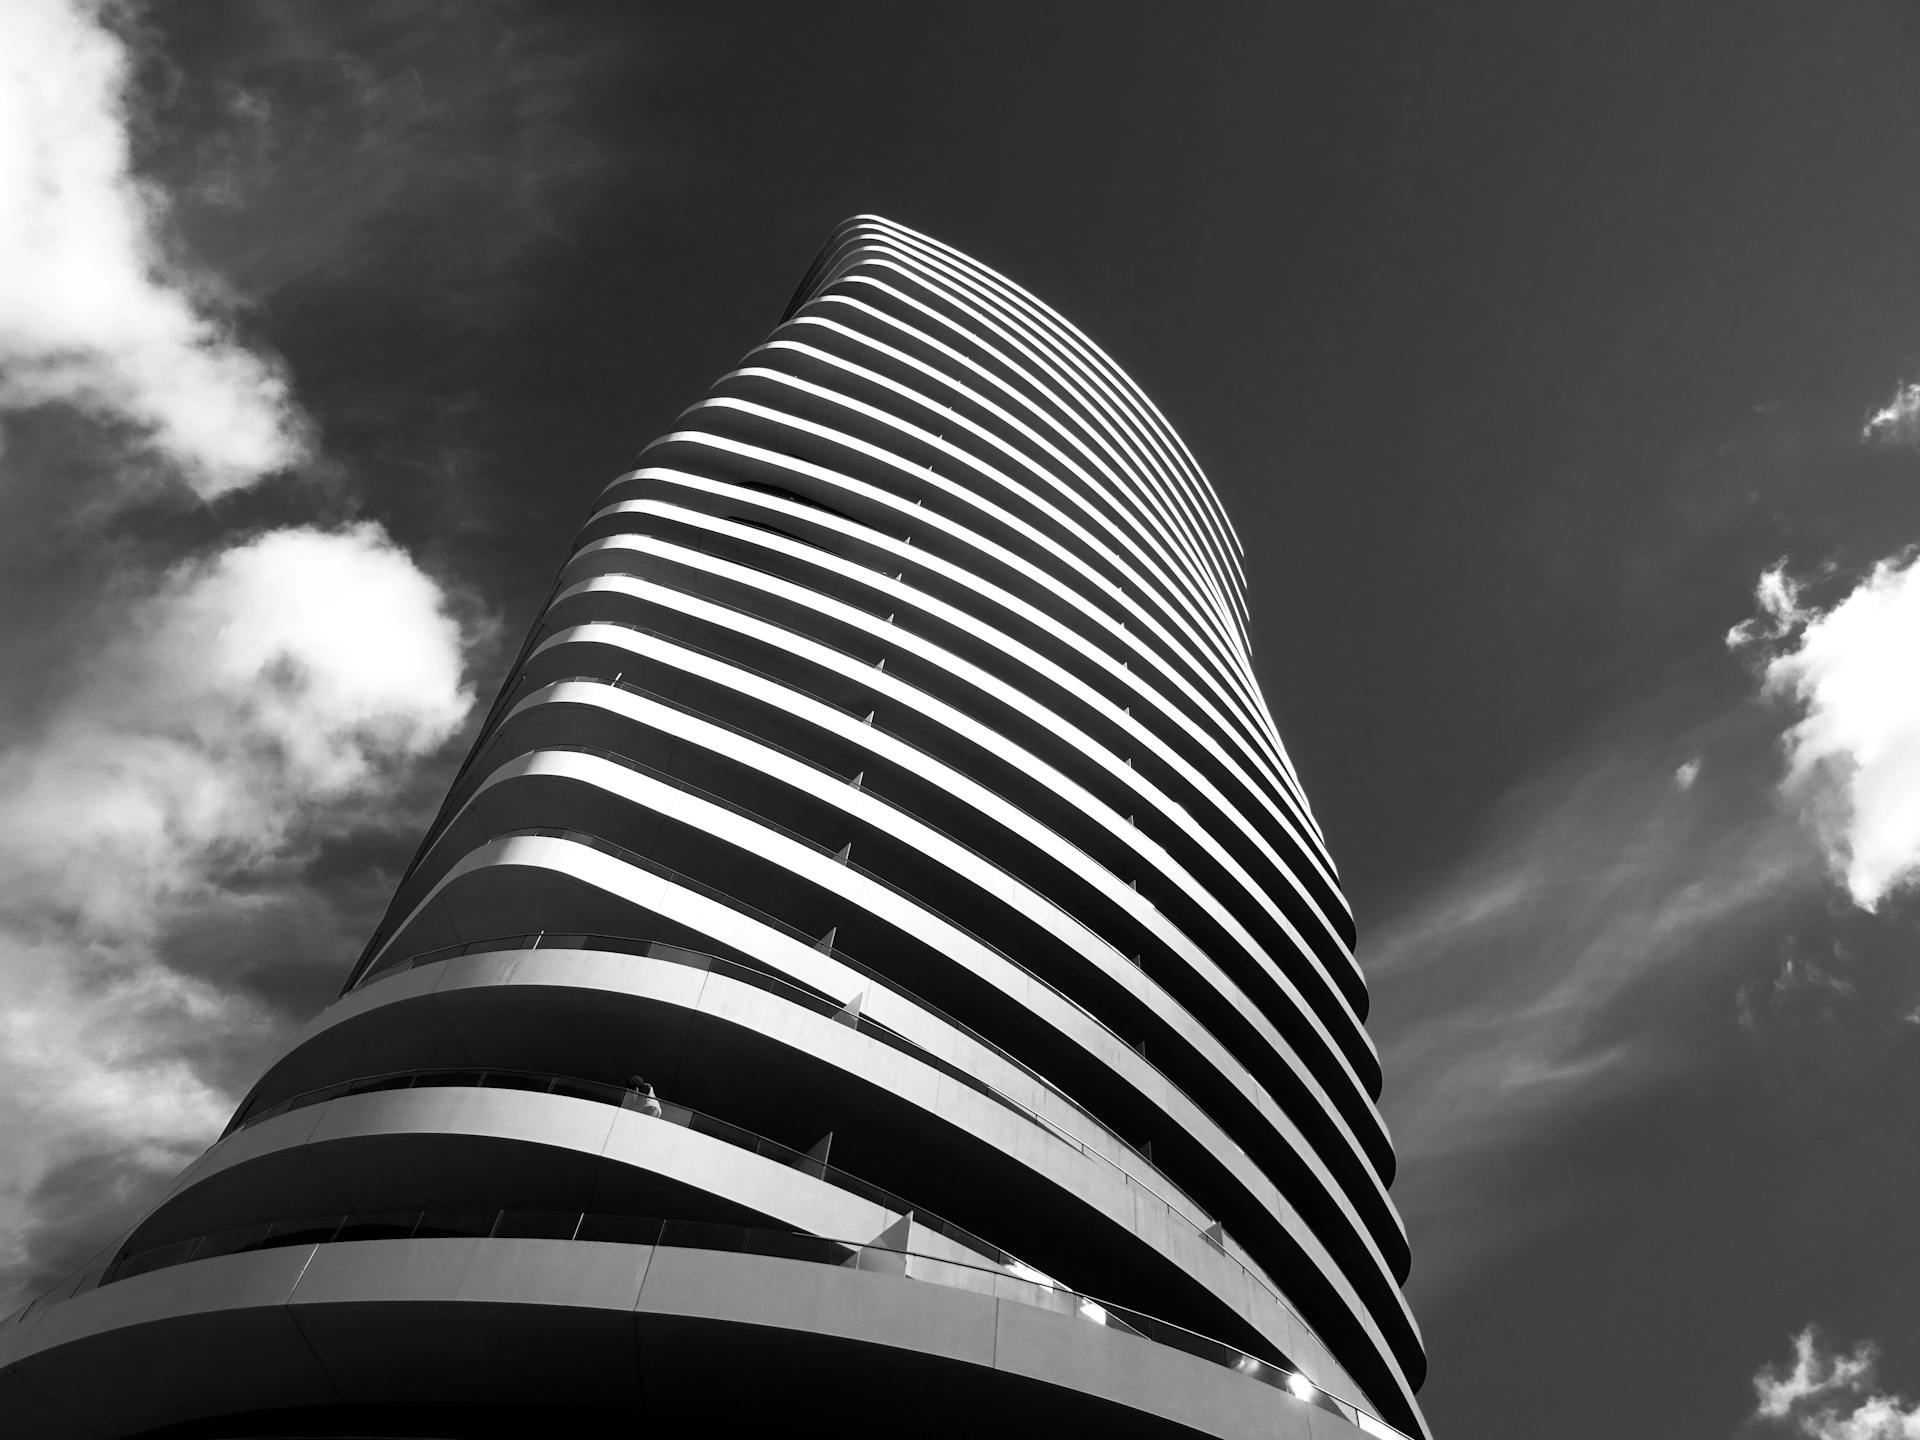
[(884, 798)]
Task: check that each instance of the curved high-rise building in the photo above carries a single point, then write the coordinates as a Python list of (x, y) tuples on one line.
[(876, 967)]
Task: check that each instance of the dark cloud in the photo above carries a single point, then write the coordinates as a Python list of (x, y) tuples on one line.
[(79, 1205)]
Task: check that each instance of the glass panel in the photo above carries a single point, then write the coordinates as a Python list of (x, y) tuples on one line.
[(232, 1242), (157, 1258), (379, 1225), (444, 1223), (591, 1090), (813, 1249), (944, 1272), (537, 1224), (510, 1080), (674, 953), (621, 1229), (702, 1235), (309, 1230), (379, 1082)]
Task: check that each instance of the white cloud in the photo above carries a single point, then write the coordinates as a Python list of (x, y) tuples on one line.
[(1686, 773), (252, 702), (1778, 595), (1853, 757), (188, 737), (1896, 424), (283, 671), (93, 312), (1828, 1395)]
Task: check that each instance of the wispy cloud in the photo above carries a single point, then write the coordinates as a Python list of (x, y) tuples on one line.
[(1510, 995), (1643, 879), (1828, 1394), (1803, 987), (192, 732), (1853, 755), (93, 310), (1896, 424), (432, 144)]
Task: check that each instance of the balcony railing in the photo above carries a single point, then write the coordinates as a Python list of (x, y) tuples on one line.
[(1281, 871), (627, 1098), (1186, 1206), (654, 867), (1209, 1230), (1015, 1282), (1254, 954), (1236, 998), (733, 902)]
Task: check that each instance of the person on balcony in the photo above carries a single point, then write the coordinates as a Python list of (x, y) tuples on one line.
[(642, 1097)]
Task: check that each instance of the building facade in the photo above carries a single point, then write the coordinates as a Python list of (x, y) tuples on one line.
[(876, 967)]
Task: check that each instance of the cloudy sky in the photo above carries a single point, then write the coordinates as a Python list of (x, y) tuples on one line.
[(1560, 363)]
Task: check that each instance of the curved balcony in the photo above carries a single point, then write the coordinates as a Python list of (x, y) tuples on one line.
[(1117, 556), (1060, 845), (662, 1320), (525, 1150), (1358, 1108), (1252, 905), (909, 388), (933, 299), (707, 453), (952, 708), (808, 791), (880, 1072), (714, 1169), (818, 798), (902, 337), (1053, 344), (968, 664), (930, 541), (729, 437), (991, 629), (877, 246), (531, 876), (499, 807), (964, 316), (939, 497), (1070, 781), (1125, 679), (819, 808)]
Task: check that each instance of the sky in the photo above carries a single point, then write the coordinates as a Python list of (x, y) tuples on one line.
[(1559, 363)]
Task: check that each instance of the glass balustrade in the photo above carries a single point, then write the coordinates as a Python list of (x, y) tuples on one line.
[(1009, 1282)]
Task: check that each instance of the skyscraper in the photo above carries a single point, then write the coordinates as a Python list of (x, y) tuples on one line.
[(876, 967)]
